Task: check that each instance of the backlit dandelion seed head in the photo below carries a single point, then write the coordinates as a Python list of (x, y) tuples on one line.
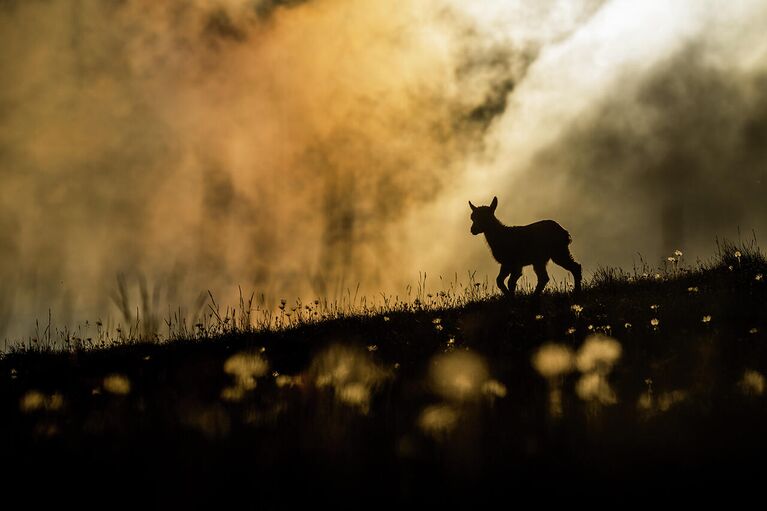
[(284, 380), (32, 401), (355, 394), (438, 420), (351, 373), (232, 393), (552, 360), (752, 383), (645, 401), (55, 401), (594, 387), (667, 400), (599, 352), (117, 384), (494, 388), (458, 375), (246, 367)]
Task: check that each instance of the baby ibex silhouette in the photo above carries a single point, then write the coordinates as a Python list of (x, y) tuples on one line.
[(518, 246)]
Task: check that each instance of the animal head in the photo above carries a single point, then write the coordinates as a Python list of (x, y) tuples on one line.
[(482, 216)]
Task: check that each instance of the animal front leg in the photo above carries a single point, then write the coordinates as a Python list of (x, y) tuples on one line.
[(516, 273), (505, 271)]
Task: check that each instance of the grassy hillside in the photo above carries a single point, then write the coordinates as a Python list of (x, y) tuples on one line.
[(649, 385)]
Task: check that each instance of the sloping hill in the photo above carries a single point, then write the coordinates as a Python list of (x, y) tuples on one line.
[(645, 386)]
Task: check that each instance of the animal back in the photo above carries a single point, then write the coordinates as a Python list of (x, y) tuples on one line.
[(548, 232)]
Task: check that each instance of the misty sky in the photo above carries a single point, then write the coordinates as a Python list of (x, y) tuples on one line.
[(298, 148)]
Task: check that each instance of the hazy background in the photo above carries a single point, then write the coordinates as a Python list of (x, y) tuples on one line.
[(298, 148)]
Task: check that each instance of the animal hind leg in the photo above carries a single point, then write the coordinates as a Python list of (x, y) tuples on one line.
[(566, 261), (515, 272), (543, 277)]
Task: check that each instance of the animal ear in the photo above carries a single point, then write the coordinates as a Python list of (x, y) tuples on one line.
[(472, 206), (494, 204)]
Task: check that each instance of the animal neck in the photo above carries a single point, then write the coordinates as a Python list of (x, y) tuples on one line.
[(494, 231)]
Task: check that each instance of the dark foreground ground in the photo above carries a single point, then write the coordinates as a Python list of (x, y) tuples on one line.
[(414, 407)]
